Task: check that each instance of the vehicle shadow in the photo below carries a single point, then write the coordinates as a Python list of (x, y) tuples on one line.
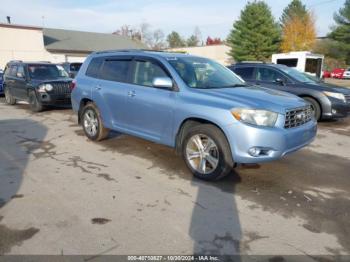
[(215, 226), (15, 151)]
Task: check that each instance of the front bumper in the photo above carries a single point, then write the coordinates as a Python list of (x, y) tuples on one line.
[(337, 109), (55, 99), (274, 142)]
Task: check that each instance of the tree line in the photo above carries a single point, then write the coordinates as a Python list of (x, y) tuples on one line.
[(256, 35)]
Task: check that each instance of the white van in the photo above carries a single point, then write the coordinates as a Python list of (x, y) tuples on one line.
[(303, 61)]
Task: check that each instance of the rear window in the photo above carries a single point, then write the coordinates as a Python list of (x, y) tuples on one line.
[(245, 72), (115, 70), (75, 66), (94, 67)]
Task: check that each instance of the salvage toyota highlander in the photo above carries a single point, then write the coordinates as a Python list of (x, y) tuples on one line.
[(205, 111)]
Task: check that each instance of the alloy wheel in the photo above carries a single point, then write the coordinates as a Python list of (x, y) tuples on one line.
[(91, 123), (202, 154)]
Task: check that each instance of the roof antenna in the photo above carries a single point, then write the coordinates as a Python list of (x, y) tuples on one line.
[(8, 19)]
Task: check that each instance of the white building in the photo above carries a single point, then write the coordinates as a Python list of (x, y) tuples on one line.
[(218, 53), (31, 43)]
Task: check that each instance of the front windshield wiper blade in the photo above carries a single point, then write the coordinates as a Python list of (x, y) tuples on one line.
[(234, 85)]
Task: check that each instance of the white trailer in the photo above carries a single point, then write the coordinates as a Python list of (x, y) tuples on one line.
[(303, 61)]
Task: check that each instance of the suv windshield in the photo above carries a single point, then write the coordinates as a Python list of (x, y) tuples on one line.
[(204, 73), (298, 75), (46, 72)]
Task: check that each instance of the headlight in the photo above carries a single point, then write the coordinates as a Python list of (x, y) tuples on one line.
[(255, 116), (335, 95), (45, 88)]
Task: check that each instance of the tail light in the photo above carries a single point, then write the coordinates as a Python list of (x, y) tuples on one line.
[(73, 84)]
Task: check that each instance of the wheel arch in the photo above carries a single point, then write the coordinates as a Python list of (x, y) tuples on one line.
[(188, 123), (83, 102)]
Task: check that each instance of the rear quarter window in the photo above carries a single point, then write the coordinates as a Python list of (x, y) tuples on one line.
[(245, 72), (94, 67)]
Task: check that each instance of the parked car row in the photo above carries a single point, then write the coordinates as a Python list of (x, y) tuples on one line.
[(327, 101), (340, 73), (209, 114)]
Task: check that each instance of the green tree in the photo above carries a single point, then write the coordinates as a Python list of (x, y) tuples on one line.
[(255, 35), (175, 40), (341, 32), (295, 9), (192, 41)]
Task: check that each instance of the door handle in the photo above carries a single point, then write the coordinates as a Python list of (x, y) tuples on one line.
[(98, 87), (131, 93)]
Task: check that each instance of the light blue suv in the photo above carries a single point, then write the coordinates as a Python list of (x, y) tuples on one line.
[(201, 108)]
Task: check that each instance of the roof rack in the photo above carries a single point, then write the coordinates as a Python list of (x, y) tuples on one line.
[(128, 50), (15, 61)]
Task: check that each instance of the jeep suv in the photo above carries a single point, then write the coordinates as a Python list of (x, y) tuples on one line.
[(327, 101), (40, 83), (190, 103)]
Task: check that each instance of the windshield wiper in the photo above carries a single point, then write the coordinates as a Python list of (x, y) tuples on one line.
[(234, 85)]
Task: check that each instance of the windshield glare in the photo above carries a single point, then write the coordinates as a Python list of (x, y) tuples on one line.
[(204, 73), (298, 75), (46, 72)]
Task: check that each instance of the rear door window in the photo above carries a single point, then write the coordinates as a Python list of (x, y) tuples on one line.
[(146, 71), (246, 73), (115, 70)]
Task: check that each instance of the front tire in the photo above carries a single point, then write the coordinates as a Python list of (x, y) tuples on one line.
[(10, 100), (206, 152), (35, 105), (92, 124), (315, 107)]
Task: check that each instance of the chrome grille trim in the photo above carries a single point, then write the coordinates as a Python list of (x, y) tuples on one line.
[(61, 88), (298, 116)]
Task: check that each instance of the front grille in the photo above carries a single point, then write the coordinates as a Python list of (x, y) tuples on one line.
[(61, 88), (347, 98), (298, 116)]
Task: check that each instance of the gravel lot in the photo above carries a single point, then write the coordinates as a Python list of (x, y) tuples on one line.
[(62, 194)]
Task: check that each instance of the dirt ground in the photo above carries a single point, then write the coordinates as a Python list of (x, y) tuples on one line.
[(63, 194)]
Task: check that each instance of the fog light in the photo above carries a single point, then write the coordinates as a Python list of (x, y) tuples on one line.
[(254, 151)]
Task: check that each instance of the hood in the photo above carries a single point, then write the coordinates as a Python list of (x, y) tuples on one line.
[(257, 98), (320, 86), (37, 82)]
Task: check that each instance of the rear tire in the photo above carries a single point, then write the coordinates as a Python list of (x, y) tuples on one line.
[(206, 152), (315, 107), (35, 105), (92, 124), (10, 100)]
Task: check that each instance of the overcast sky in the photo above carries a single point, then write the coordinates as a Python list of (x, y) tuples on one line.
[(214, 18)]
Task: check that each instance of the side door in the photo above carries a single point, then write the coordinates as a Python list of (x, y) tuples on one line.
[(110, 88), (10, 79), (20, 84), (272, 78), (150, 110)]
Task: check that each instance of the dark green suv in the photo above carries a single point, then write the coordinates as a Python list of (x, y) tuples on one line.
[(40, 83)]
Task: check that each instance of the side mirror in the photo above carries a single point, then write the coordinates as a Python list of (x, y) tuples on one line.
[(280, 81), (163, 82), (20, 75)]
